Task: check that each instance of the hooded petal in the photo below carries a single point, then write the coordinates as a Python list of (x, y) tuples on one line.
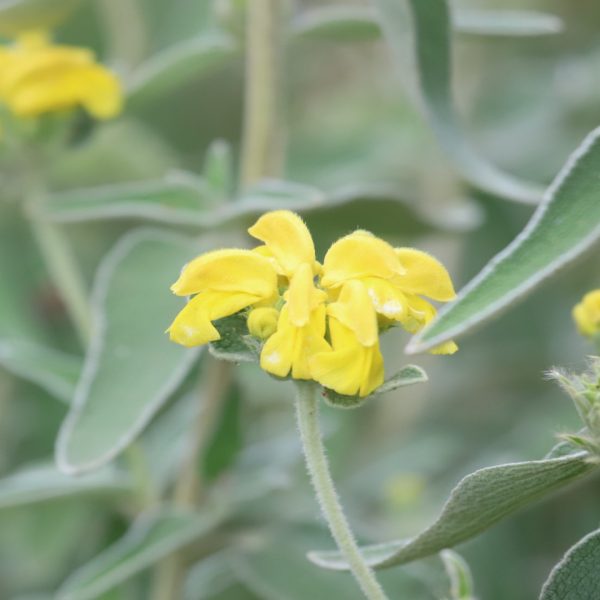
[(302, 296), (357, 256), (425, 275), (387, 299), (228, 271), (350, 368), (193, 327), (290, 348), (446, 348), (287, 238), (354, 309)]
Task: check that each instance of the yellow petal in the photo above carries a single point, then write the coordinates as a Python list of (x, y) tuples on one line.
[(419, 313), (350, 368), (302, 296), (228, 271), (446, 348), (357, 256), (262, 322), (290, 348), (586, 314), (287, 237), (387, 299), (354, 309), (425, 275), (193, 327)]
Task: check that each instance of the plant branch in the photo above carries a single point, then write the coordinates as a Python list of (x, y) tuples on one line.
[(307, 412)]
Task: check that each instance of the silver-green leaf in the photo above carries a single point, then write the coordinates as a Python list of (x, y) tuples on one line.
[(131, 367), (576, 576), (431, 48), (475, 504), (565, 225), (150, 539)]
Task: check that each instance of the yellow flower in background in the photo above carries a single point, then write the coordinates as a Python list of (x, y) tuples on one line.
[(317, 322), (586, 314), (38, 77)]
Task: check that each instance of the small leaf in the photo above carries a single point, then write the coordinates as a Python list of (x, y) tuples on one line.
[(150, 539), (475, 504), (565, 225), (461, 580), (235, 345), (575, 577), (339, 23), (41, 483), (54, 371), (131, 368), (408, 375), (432, 47), (179, 64)]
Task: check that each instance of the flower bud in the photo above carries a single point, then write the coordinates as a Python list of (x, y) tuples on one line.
[(262, 322), (586, 314)]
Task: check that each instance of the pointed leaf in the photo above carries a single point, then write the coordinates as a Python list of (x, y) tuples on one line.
[(44, 482), (563, 227), (131, 367), (52, 370), (459, 573), (575, 577), (475, 504), (151, 538), (179, 64), (432, 47)]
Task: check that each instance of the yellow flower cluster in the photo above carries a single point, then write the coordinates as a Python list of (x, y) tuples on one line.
[(318, 322), (38, 77), (586, 314)]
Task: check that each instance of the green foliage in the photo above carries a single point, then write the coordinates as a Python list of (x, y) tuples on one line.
[(565, 225), (475, 504), (575, 576), (130, 369)]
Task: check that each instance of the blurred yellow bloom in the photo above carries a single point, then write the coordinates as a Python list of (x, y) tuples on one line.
[(317, 322), (587, 314), (38, 77)]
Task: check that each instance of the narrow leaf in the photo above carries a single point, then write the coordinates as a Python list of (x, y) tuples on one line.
[(131, 367), (180, 64), (475, 504), (54, 371), (41, 483), (575, 577), (150, 539), (459, 573), (341, 23), (565, 225), (432, 49)]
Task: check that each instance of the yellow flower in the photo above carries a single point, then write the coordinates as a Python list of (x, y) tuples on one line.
[(326, 323), (355, 365), (587, 314), (38, 77), (225, 282)]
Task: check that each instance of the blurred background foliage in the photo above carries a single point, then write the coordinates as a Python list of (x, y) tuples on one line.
[(527, 102)]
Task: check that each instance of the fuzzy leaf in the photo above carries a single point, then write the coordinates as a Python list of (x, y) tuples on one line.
[(341, 23), (235, 345), (52, 370), (575, 577), (459, 573), (150, 539), (131, 367), (432, 47), (475, 504), (563, 227), (408, 375), (179, 64), (44, 482)]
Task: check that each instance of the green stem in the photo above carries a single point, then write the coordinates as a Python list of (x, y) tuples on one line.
[(307, 411), (262, 144), (61, 265)]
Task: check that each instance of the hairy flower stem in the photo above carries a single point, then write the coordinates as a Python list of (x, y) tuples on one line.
[(61, 265), (307, 412)]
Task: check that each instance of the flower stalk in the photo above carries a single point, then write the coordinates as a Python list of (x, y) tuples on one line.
[(307, 412)]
